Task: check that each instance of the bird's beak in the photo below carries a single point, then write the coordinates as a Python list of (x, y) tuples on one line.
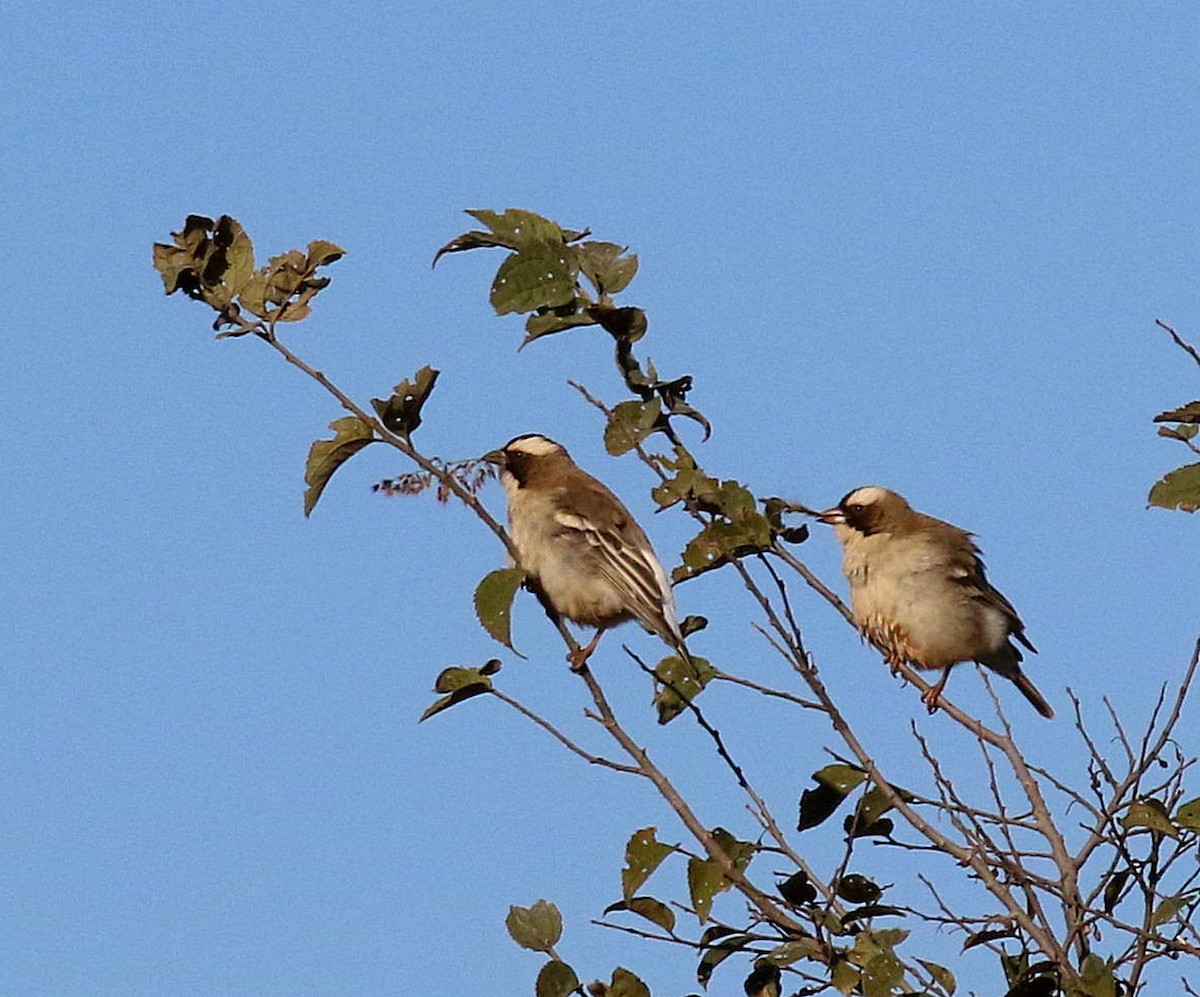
[(497, 457), (834, 516)]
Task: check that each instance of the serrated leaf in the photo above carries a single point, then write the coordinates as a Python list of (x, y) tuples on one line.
[(538, 927), (326, 456), (643, 854), (1188, 815), (542, 275), (629, 423), (459, 684), (401, 413), (626, 984), (652, 910), (1179, 489), (857, 889), (1190, 413), (716, 954), (1167, 910), (556, 979), (1149, 813), (834, 783), (941, 976), (679, 682), (493, 603)]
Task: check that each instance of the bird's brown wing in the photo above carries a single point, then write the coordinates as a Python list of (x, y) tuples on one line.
[(623, 555), (969, 570)]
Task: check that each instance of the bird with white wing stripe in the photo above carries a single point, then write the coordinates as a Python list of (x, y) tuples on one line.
[(585, 555)]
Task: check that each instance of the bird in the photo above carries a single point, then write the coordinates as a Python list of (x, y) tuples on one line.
[(919, 592), (584, 554)]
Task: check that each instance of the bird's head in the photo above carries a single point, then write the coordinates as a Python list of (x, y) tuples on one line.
[(525, 455), (867, 510)]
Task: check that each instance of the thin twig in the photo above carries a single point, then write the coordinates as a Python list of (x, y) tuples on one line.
[(1179, 341), (562, 738)]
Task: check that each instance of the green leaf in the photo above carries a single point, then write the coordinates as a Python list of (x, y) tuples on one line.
[(556, 979), (493, 603), (326, 456), (1190, 413), (626, 984), (604, 264), (1150, 813), (1188, 815), (652, 910), (1097, 977), (801, 948), (473, 239), (716, 954), (705, 876), (679, 682), (881, 976), (643, 854), (857, 889), (542, 275), (401, 413), (629, 423), (1180, 489), (705, 880), (844, 977), (537, 326), (740, 530), (941, 976), (834, 783), (518, 228), (538, 927), (1167, 910), (460, 684)]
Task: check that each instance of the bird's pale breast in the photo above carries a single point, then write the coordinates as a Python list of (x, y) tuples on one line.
[(909, 599)]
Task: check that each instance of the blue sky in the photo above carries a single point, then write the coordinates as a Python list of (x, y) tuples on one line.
[(915, 245)]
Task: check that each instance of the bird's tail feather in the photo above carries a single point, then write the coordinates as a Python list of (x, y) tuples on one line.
[(1029, 691)]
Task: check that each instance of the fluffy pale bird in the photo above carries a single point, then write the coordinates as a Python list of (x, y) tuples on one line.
[(586, 557), (920, 595)]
